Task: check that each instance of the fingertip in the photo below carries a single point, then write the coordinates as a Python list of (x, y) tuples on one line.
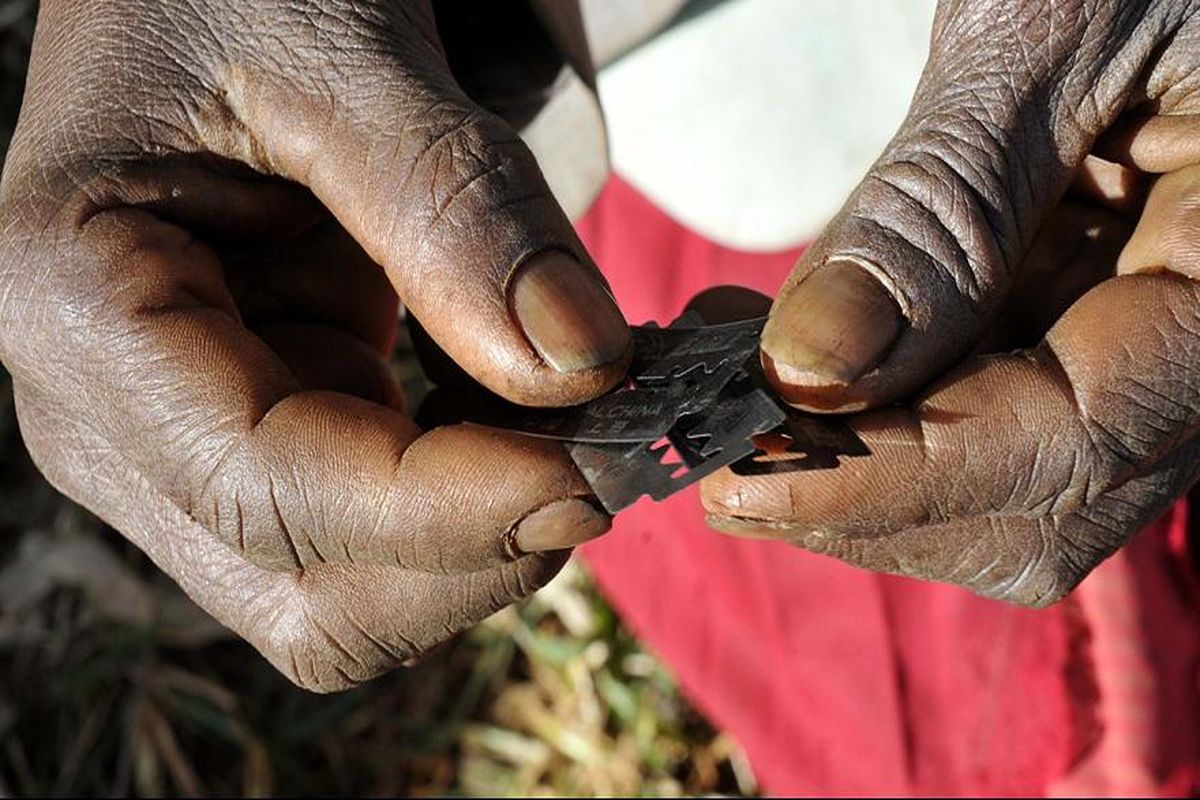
[(717, 496), (736, 504), (563, 340), (539, 569), (731, 525), (545, 387), (795, 388), (512, 361), (757, 530), (477, 497), (559, 525), (567, 313), (828, 331)]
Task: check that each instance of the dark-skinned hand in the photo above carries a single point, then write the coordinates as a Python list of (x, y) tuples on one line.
[(1011, 322), (210, 211)]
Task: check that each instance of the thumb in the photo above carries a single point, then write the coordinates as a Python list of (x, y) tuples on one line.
[(451, 203), (920, 259)]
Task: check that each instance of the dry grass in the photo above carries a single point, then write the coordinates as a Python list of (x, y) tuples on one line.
[(112, 682)]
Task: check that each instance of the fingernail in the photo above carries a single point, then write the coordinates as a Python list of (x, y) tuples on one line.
[(738, 526), (832, 328), (567, 314), (562, 524)]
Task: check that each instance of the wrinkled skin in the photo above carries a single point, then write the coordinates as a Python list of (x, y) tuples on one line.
[(1010, 211), (210, 211)]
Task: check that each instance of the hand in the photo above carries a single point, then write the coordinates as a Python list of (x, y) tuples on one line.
[(1000, 216), (209, 209)]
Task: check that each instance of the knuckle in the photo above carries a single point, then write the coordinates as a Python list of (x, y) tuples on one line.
[(70, 282), (469, 161), (325, 653), (1063, 474), (243, 504), (1061, 551), (1133, 422), (939, 202), (1134, 377), (1048, 582), (1083, 454), (466, 184), (1055, 553), (1042, 567)]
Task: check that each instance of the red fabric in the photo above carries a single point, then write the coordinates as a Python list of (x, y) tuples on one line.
[(839, 681)]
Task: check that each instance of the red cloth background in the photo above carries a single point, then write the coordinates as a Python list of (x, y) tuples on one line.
[(839, 681)]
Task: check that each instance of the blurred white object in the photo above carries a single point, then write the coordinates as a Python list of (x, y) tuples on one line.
[(567, 138), (752, 121), (615, 26)]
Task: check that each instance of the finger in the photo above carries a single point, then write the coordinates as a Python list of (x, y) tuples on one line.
[(451, 203), (919, 260), (1028, 561), (1165, 237), (328, 628), (327, 359), (1154, 143), (350, 624), (715, 305), (288, 477), (959, 452), (1044, 434), (1110, 185)]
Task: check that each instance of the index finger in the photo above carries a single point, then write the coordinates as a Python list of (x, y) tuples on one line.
[(1018, 473), (140, 324)]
